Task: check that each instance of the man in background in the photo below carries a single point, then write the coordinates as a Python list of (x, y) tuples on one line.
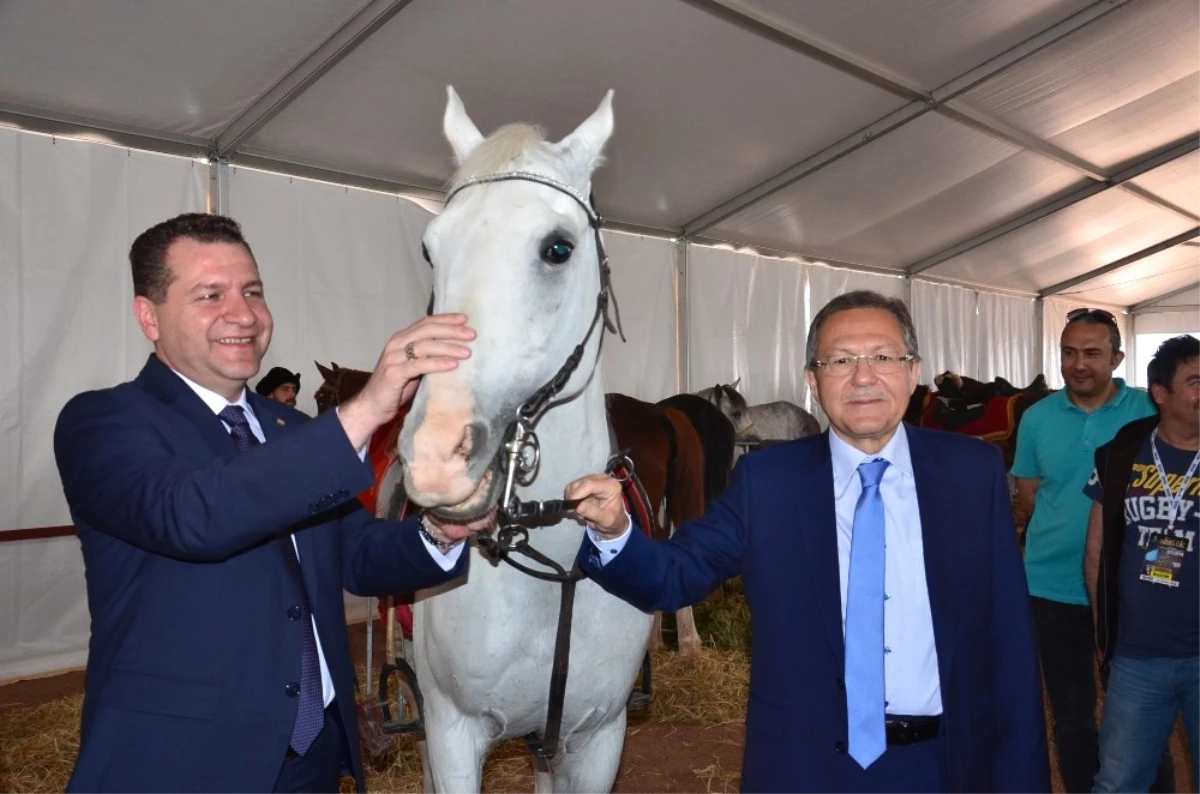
[(1142, 574), (1055, 446), (281, 385)]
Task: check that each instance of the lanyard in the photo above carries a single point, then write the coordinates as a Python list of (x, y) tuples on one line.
[(1173, 500)]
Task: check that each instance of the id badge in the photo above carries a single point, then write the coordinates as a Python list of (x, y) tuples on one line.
[(1163, 561)]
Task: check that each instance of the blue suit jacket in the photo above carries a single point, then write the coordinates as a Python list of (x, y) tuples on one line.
[(192, 646), (775, 526)]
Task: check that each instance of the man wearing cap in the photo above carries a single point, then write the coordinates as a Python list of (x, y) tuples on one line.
[(1055, 446), (280, 385)]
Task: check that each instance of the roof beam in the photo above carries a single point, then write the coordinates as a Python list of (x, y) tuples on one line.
[(68, 125), (922, 102), (1137, 307), (1120, 263), (1166, 155), (753, 21), (343, 42)]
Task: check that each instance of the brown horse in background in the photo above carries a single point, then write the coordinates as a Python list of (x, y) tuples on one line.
[(668, 457)]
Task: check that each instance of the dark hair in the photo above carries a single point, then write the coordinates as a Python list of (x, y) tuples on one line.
[(148, 255), (1170, 354), (861, 299), (1097, 317)]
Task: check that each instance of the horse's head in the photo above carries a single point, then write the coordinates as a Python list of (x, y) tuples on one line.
[(326, 393), (340, 384), (733, 405), (518, 256)]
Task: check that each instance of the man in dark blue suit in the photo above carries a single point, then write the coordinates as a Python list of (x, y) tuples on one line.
[(219, 529), (893, 643)]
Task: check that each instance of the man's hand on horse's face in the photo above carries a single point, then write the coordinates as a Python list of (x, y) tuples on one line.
[(432, 344), (601, 506)]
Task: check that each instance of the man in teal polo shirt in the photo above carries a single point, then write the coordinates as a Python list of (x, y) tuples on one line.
[(1056, 443)]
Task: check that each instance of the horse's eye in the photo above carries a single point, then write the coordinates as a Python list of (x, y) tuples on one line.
[(557, 252), (425, 253)]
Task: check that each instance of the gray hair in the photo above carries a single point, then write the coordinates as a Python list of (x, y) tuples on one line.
[(861, 299)]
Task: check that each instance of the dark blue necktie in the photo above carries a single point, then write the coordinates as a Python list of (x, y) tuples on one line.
[(864, 622), (310, 715)]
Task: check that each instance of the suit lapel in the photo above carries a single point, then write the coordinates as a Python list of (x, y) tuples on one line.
[(819, 532), (274, 425), (159, 380), (938, 524)]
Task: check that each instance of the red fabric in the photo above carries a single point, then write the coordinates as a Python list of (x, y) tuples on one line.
[(996, 425), (382, 453)]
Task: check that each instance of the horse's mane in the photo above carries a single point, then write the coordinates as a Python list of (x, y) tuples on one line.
[(501, 151)]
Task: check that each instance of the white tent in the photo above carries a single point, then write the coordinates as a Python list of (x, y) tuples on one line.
[(994, 163)]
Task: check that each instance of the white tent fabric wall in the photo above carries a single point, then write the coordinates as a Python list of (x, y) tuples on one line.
[(1054, 320), (746, 320), (981, 335), (643, 277), (342, 267), (69, 211), (1166, 322)]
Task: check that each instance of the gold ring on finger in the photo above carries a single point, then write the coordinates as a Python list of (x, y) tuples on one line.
[(410, 351)]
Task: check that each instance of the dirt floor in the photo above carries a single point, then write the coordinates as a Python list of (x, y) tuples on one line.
[(658, 757)]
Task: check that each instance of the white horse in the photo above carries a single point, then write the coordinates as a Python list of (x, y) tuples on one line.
[(519, 256)]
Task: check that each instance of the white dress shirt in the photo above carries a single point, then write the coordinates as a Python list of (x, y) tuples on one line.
[(911, 684), (216, 404)]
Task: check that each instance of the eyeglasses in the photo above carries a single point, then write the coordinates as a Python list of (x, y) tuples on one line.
[(1097, 314), (880, 363)]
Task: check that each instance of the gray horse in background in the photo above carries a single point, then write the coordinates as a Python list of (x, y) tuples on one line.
[(775, 421)]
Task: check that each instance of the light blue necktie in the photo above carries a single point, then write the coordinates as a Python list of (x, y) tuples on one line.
[(864, 622)]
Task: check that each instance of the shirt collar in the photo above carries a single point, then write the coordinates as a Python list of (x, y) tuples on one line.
[(1122, 393), (846, 458), (215, 402)]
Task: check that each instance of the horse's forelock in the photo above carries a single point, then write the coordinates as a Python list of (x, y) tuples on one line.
[(503, 150)]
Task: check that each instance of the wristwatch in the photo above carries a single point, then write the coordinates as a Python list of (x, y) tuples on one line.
[(441, 545)]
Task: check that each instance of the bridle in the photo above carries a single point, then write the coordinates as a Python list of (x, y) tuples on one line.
[(520, 453)]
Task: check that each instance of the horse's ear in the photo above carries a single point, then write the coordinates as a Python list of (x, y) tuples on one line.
[(462, 133), (326, 372), (734, 385), (584, 146)]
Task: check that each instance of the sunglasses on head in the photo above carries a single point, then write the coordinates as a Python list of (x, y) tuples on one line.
[(1096, 314)]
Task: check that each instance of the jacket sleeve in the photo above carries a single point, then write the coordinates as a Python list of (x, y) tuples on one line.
[(382, 558), (669, 575), (1021, 754), (124, 477)]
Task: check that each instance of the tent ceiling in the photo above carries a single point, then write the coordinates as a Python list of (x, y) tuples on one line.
[(797, 125), (1145, 279)]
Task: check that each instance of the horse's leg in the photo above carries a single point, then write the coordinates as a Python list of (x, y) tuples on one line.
[(685, 627), (456, 746), (656, 640), (591, 758)]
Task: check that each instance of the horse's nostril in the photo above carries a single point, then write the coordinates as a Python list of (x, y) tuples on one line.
[(474, 438)]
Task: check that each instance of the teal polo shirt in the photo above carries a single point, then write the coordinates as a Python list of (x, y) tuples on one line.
[(1056, 443)]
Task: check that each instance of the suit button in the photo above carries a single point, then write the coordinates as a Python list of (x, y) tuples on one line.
[(840, 747), (841, 684), (292, 689), (295, 613)]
